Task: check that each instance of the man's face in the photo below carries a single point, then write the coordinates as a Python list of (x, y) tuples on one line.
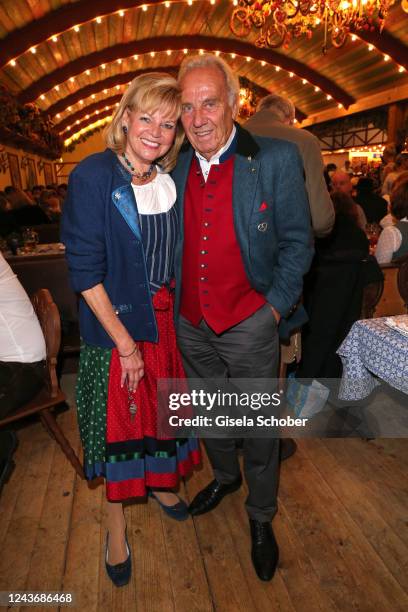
[(341, 182), (206, 114)]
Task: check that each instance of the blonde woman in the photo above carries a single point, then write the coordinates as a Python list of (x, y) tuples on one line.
[(119, 227)]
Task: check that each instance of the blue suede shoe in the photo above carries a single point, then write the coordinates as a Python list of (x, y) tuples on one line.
[(121, 572), (179, 511)]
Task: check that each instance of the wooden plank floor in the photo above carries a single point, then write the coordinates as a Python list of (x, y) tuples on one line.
[(341, 526)]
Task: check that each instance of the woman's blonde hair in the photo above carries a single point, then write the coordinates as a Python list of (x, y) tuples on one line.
[(148, 93)]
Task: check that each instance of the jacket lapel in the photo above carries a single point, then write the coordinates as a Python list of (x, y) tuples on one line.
[(124, 200), (246, 173)]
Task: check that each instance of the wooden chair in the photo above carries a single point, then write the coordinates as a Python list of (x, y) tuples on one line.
[(289, 352), (50, 395), (394, 297)]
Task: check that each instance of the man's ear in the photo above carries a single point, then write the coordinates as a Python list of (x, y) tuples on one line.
[(235, 108)]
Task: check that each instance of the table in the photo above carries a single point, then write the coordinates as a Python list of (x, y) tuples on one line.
[(372, 351)]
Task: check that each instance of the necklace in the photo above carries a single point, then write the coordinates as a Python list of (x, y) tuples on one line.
[(141, 176)]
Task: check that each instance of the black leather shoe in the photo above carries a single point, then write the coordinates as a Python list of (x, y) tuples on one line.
[(287, 448), (121, 572), (265, 551), (210, 497)]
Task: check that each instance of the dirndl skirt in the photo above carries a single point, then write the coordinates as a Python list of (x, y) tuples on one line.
[(127, 451)]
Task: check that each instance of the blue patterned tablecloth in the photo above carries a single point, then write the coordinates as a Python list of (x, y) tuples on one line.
[(372, 350)]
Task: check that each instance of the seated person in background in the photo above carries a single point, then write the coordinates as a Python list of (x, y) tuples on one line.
[(22, 344), (373, 205), (393, 241), (333, 292), (50, 204), (342, 182), (7, 222), (401, 165), (24, 210)]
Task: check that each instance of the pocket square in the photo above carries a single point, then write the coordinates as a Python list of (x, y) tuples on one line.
[(263, 206)]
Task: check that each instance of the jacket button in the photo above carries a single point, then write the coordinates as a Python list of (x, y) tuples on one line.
[(205, 237), (203, 252)]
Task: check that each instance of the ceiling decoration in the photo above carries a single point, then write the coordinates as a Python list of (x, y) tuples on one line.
[(74, 58), (278, 22)]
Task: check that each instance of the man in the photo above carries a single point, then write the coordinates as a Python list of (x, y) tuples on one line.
[(275, 117), (401, 165), (347, 168), (244, 247), (22, 344), (342, 182)]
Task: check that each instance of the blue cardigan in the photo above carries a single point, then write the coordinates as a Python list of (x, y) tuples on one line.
[(271, 219), (101, 233)]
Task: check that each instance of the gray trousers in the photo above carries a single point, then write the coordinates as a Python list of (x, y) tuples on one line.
[(247, 350)]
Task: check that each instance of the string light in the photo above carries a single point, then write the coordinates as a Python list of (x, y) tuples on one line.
[(144, 8), (119, 61), (99, 20), (57, 87), (121, 13), (248, 59), (316, 89), (370, 47), (136, 57), (152, 53), (218, 53), (277, 68), (13, 62), (304, 81), (233, 55), (401, 69), (33, 50), (386, 58), (87, 72), (167, 4), (55, 39), (81, 102), (72, 79), (42, 97), (76, 28), (103, 66), (353, 37), (291, 75), (185, 51), (263, 63)]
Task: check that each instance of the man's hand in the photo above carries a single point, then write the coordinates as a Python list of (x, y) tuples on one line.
[(275, 313)]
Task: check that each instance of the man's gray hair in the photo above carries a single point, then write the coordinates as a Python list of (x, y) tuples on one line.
[(282, 108), (213, 61)]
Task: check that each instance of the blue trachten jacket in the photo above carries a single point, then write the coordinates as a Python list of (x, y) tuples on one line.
[(276, 241), (101, 233)]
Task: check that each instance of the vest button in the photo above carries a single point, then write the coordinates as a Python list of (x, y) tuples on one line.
[(203, 278), (205, 237), (203, 252), (206, 224)]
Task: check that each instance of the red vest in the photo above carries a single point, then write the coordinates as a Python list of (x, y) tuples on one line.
[(214, 282)]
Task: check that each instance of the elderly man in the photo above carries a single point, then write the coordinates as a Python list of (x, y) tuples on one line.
[(341, 181), (275, 117), (243, 251)]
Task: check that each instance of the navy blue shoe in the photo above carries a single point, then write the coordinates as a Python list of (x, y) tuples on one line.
[(179, 511), (121, 572)]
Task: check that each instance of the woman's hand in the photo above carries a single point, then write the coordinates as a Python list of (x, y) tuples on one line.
[(132, 369)]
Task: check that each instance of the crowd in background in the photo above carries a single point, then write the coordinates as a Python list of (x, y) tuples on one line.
[(30, 207)]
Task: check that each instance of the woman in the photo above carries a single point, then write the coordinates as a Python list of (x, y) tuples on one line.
[(393, 241), (119, 229)]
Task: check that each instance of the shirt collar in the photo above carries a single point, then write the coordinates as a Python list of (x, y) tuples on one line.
[(223, 152)]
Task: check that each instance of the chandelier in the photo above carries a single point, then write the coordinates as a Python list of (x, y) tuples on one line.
[(280, 21)]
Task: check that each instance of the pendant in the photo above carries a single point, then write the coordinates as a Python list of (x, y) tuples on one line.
[(132, 405)]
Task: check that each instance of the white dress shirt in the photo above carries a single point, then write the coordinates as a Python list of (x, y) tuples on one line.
[(21, 337), (205, 164)]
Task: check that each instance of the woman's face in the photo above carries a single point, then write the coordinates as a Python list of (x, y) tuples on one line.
[(149, 135)]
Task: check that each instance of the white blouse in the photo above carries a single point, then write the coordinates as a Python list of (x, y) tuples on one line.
[(155, 197), (388, 243)]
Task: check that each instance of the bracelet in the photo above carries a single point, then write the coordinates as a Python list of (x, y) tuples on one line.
[(130, 354)]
